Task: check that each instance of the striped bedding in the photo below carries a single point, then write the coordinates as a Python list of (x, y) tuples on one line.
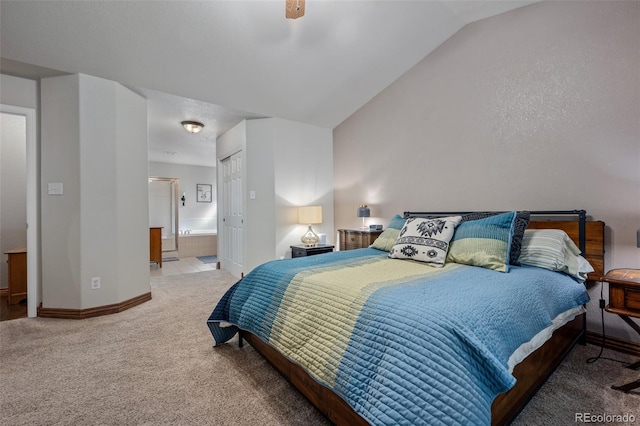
[(401, 342)]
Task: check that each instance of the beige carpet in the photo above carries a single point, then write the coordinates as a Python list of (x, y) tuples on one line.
[(155, 365)]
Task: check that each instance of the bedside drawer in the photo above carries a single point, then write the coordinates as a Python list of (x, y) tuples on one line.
[(351, 239), (298, 252), (632, 300), (302, 251)]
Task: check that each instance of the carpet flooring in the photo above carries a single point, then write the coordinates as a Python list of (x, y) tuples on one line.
[(155, 365)]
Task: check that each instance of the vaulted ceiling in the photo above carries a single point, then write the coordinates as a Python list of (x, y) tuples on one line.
[(235, 59)]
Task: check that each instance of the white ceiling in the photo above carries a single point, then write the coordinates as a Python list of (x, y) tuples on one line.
[(223, 61)]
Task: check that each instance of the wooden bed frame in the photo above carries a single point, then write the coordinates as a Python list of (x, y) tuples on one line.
[(531, 373)]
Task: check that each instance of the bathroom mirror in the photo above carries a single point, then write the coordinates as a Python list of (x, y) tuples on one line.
[(163, 210)]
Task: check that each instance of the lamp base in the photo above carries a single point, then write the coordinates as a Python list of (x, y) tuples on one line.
[(310, 238)]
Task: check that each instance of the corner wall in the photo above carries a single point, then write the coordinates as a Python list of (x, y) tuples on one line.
[(535, 109), (94, 142)]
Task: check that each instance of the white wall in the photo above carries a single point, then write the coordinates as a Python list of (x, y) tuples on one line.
[(18, 91), (288, 164), (260, 213), (303, 176), (533, 109), (189, 176), (94, 142)]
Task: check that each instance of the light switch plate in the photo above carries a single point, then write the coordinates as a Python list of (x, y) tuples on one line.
[(55, 188)]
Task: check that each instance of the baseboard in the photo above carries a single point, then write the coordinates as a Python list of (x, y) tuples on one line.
[(93, 312), (4, 292), (613, 343)]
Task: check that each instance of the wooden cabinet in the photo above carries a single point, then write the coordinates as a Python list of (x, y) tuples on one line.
[(624, 292), (155, 245), (17, 271), (354, 239), (624, 300), (301, 251)]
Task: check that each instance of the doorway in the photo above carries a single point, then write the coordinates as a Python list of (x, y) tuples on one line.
[(19, 199), (163, 212)]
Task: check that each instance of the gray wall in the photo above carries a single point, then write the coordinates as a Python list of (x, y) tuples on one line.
[(537, 108)]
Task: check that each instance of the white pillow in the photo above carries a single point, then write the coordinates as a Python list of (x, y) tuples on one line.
[(584, 269), (425, 240), (553, 249)]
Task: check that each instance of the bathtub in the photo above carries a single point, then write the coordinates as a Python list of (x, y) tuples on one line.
[(198, 243), (191, 232)]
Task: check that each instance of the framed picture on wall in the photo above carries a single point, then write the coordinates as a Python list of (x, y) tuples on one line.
[(204, 192)]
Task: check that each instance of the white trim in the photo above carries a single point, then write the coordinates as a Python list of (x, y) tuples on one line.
[(545, 334), (33, 226)]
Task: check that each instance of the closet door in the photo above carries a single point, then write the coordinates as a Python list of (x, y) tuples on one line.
[(233, 219)]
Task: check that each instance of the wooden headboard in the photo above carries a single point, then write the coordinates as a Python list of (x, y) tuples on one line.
[(588, 235)]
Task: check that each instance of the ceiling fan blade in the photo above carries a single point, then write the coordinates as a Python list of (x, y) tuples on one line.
[(295, 9)]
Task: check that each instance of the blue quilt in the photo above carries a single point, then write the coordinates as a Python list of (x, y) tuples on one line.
[(401, 342)]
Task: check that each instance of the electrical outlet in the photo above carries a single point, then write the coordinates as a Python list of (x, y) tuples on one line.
[(95, 283)]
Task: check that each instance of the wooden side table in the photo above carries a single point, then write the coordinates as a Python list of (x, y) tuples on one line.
[(351, 239), (624, 300), (17, 274), (155, 245)]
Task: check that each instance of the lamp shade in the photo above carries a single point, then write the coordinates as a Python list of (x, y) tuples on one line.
[(310, 215), (363, 211)]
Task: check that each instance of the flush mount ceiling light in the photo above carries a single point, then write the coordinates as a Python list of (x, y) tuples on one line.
[(295, 9), (192, 126)]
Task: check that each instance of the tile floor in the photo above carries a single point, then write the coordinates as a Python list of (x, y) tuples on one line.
[(185, 265)]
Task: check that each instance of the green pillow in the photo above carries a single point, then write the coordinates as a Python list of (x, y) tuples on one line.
[(484, 242), (386, 240)]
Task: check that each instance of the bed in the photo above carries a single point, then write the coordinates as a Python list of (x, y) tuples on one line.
[(371, 339)]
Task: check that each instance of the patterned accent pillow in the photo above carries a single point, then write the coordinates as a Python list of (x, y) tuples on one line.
[(551, 249), (484, 242), (386, 240), (519, 225), (425, 240)]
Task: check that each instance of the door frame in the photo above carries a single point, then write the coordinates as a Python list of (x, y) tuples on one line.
[(33, 224), (175, 182)]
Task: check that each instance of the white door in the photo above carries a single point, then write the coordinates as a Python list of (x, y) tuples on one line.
[(232, 217)]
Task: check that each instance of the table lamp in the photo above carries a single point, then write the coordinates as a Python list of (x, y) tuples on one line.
[(363, 212), (310, 215)]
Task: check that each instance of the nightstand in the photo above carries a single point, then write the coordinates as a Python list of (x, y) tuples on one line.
[(302, 251), (17, 274), (351, 239), (624, 300)]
